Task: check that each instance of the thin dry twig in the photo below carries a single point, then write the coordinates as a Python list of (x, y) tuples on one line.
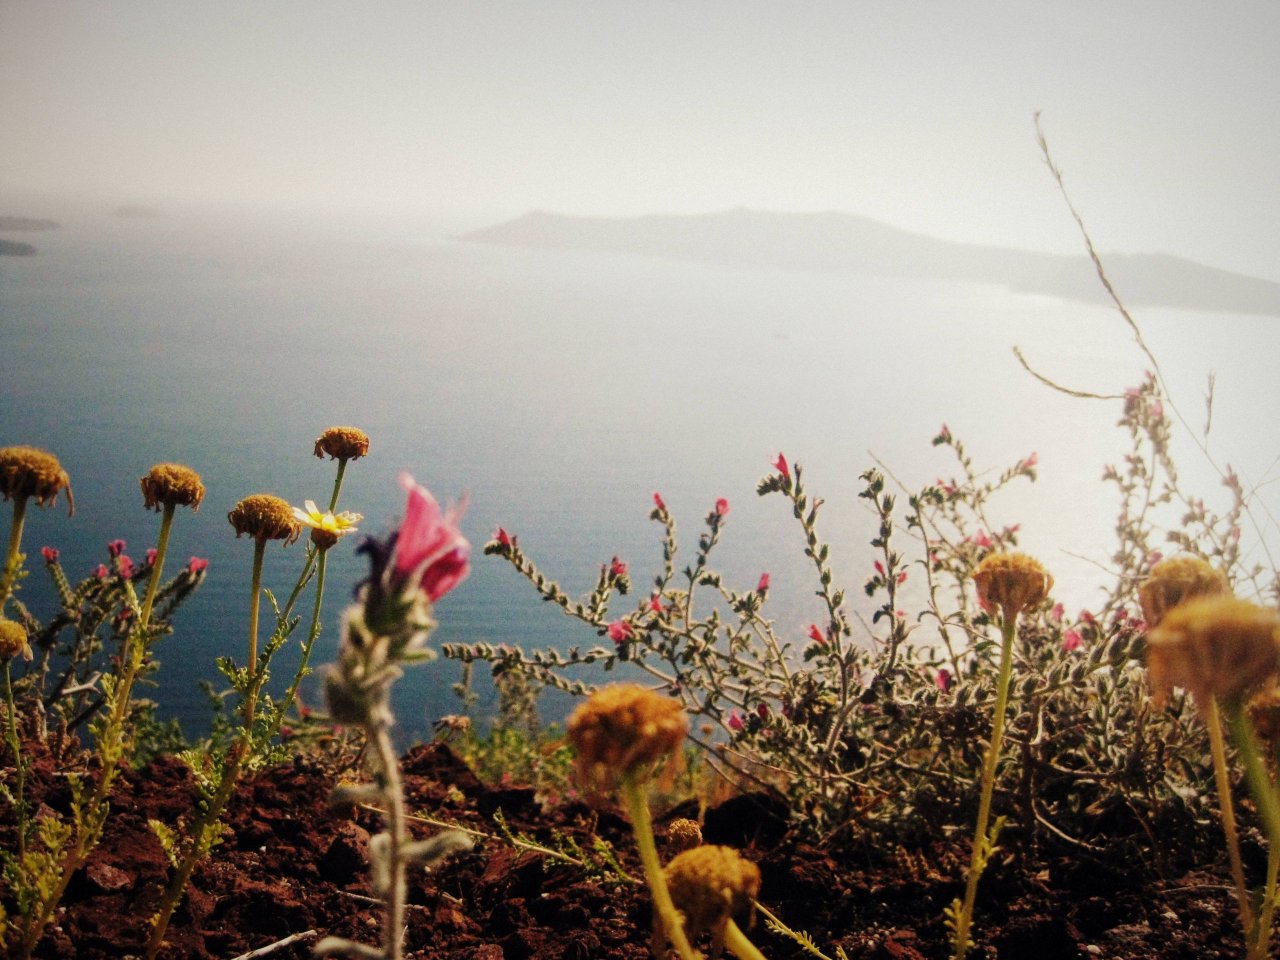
[(278, 945)]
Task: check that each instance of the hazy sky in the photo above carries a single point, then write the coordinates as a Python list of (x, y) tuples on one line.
[(1164, 114)]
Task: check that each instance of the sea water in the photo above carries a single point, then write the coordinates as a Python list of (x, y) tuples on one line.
[(557, 391)]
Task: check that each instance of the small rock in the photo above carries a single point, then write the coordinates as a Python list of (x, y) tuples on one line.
[(1093, 949), (108, 878)]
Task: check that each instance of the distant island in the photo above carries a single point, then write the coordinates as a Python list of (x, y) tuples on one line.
[(11, 248), (26, 223), (841, 242)]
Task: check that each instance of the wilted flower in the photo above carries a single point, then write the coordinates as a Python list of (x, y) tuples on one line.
[(1014, 582), (710, 885), (1177, 579), (1214, 646), (172, 485), (13, 640), (264, 517), (623, 729), (28, 472), (343, 443), (327, 528)]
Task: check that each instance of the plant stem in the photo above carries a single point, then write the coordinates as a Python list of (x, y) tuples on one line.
[(1264, 796), (737, 943), (337, 484), (1226, 810), (312, 635), (19, 765), (393, 795), (255, 599), (11, 557), (162, 547), (633, 795), (977, 860)]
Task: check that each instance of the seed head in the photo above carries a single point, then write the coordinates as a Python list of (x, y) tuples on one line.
[(172, 485), (1175, 580), (343, 443), (264, 517), (683, 834), (13, 640), (1013, 582), (621, 729), (28, 472), (1214, 646), (710, 886)]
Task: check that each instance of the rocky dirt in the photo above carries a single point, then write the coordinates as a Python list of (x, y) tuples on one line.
[(289, 866)]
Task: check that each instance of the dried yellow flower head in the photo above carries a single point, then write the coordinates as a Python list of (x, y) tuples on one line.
[(710, 886), (1014, 582), (172, 485), (1264, 714), (13, 640), (343, 443), (265, 517), (683, 834), (1215, 646), (1174, 580), (621, 729), (28, 472)]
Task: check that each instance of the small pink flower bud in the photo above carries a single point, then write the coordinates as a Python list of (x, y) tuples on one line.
[(619, 631), (722, 507), (763, 585), (617, 568), (736, 723), (943, 679), (102, 572), (816, 635), (197, 565), (50, 554), (879, 567), (125, 565), (1072, 640), (1057, 613), (659, 502), (902, 577), (782, 467), (115, 548), (152, 553), (655, 603)]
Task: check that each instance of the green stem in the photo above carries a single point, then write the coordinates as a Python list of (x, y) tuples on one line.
[(162, 547), (200, 844), (977, 860), (312, 635), (737, 943), (1226, 810), (1264, 796), (633, 795), (1266, 912), (337, 484), (255, 599), (11, 558), (19, 764)]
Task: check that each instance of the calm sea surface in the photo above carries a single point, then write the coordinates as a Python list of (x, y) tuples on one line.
[(559, 390)]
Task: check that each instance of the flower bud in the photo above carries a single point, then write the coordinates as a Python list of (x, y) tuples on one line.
[(710, 885), (172, 485), (264, 517), (1172, 581), (1214, 646), (622, 729), (343, 443), (1014, 582), (28, 472)]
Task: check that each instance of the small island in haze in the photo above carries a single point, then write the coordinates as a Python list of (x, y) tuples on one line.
[(13, 248), (841, 242)]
